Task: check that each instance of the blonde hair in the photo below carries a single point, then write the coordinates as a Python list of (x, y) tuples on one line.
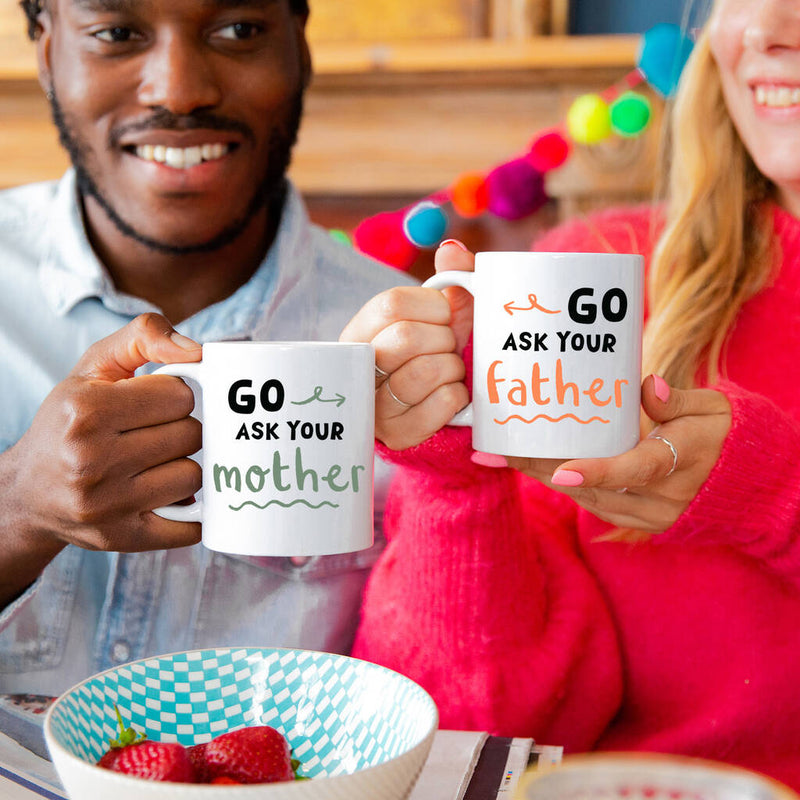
[(714, 252)]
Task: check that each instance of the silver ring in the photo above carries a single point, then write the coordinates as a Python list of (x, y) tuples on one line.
[(672, 450), (394, 396), (380, 377)]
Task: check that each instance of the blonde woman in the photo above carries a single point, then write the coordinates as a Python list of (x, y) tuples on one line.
[(540, 599)]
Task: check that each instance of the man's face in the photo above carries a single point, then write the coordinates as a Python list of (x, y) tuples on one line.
[(179, 115)]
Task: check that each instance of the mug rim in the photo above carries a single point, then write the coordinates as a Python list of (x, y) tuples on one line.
[(299, 344), (557, 254)]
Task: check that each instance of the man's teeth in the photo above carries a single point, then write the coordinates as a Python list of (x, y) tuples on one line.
[(181, 157), (777, 96)]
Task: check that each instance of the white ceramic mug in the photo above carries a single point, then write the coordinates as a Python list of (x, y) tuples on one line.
[(288, 447), (557, 351)]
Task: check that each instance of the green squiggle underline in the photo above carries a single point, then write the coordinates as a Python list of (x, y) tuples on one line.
[(284, 505)]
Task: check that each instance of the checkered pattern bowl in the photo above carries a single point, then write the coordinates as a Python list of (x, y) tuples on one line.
[(642, 776), (359, 730)]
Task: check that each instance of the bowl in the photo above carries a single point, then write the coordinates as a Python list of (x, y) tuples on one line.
[(358, 730), (644, 776)]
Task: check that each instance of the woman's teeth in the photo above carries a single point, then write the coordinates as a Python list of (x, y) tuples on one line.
[(777, 96), (181, 157)]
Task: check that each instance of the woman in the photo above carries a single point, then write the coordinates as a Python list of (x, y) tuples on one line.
[(646, 601)]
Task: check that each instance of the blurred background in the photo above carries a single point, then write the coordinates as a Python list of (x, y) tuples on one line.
[(409, 94)]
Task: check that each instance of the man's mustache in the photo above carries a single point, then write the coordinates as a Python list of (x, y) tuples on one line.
[(162, 119)]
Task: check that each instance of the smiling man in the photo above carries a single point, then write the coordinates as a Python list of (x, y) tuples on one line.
[(176, 225)]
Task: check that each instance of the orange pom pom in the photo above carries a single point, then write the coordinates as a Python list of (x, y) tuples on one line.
[(469, 194)]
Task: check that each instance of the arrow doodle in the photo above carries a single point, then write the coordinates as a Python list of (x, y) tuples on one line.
[(534, 304), (317, 395)]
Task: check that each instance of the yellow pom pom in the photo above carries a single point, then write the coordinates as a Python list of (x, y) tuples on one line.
[(589, 119)]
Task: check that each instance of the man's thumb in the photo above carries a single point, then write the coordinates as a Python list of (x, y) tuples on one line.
[(148, 337)]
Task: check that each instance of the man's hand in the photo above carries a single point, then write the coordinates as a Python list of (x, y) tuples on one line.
[(104, 449)]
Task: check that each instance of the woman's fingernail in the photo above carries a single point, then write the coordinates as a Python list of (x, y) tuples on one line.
[(566, 477), (184, 342), (456, 242), (661, 388), (488, 459)]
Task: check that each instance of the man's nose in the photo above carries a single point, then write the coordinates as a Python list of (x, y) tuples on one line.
[(177, 74), (773, 24)]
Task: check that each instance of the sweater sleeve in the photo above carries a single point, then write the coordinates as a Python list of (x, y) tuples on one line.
[(751, 499), (614, 230), (482, 600)]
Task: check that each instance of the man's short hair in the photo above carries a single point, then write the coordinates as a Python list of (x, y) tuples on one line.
[(33, 8)]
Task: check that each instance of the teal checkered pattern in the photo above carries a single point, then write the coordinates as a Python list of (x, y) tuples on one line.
[(339, 714)]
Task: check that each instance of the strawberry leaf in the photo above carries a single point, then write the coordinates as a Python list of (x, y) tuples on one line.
[(295, 767), (127, 736)]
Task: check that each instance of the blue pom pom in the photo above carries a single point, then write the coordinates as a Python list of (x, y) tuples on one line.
[(663, 55), (425, 224)]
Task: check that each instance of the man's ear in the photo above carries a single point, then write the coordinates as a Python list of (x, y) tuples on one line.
[(44, 39)]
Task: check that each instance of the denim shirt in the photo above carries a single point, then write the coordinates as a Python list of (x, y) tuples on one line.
[(91, 610)]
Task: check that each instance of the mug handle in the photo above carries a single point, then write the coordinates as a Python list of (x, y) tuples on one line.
[(194, 511), (466, 280)]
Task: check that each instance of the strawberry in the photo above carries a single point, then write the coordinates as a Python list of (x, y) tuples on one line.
[(133, 754), (258, 754), (197, 755)]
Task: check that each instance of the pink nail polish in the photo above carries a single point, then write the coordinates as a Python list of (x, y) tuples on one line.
[(566, 477), (661, 388), (456, 242), (488, 459)]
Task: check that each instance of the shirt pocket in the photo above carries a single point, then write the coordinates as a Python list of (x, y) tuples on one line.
[(34, 635)]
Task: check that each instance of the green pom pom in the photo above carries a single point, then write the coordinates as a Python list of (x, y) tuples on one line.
[(340, 236), (630, 114)]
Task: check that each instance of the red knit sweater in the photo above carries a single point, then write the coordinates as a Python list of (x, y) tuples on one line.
[(496, 596)]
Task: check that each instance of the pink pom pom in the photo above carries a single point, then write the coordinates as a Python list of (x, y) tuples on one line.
[(548, 151), (382, 238), (516, 189)]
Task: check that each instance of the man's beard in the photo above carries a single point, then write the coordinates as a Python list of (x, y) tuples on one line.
[(269, 192)]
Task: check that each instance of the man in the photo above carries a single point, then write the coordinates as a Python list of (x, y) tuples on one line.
[(179, 117)]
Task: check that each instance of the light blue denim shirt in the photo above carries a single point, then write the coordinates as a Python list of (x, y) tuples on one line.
[(91, 610)]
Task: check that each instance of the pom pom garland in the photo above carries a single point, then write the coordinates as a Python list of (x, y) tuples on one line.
[(382, 238), (425, 224), (663, 53), (588, 119), (630, 114), (469, 194), (340, 236), (516, 188), (548, 151)]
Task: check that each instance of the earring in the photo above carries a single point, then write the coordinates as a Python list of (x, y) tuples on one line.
[(50, 95)]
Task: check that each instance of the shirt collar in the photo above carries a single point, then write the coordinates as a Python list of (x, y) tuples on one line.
[(70, 272)]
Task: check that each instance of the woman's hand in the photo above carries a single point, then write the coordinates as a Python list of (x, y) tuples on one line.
[(648, 487), (418, 335)]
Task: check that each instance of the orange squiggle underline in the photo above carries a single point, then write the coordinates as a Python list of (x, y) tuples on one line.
[(552, 419)]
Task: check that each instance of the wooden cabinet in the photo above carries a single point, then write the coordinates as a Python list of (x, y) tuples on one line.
[(393, 116), (426, 20)]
